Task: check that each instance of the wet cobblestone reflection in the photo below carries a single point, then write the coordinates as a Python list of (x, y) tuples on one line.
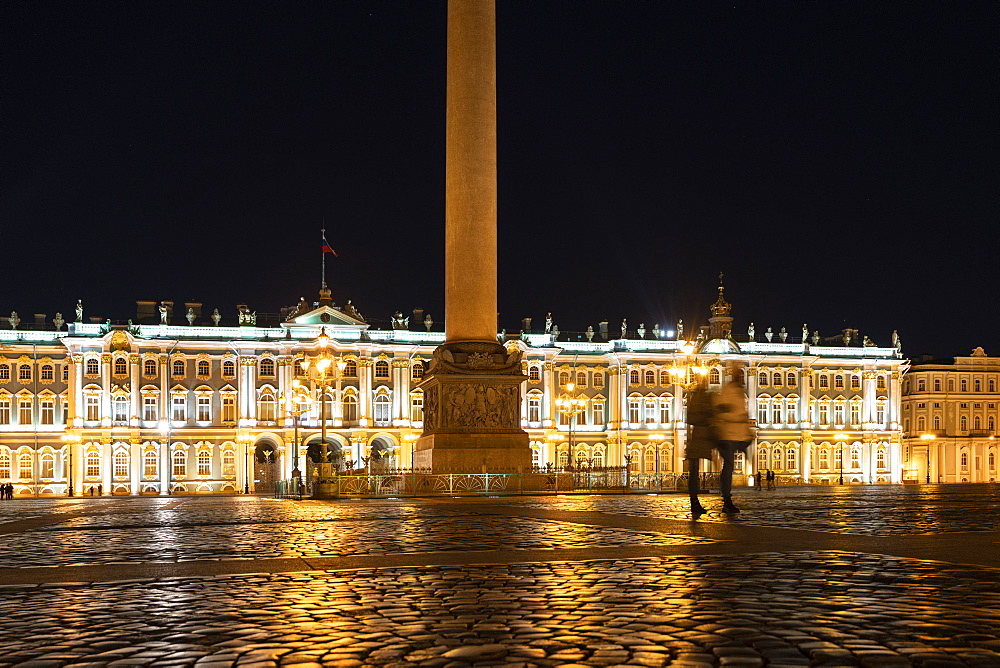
[(799, 608)]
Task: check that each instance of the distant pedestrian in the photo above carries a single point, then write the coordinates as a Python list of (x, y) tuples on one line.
[(770, 479), (91, 490), (732, 429), (100, 490), (8, 491), (758, 480), (700, 441)]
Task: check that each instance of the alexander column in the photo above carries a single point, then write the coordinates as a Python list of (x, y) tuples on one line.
[(472, 398)]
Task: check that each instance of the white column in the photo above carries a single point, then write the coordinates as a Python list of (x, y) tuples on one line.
[(870, 395), (105, 387), (549, 391), (805, 463), (74, 391), (135, 466), (135, 395), (805, 396), (366, 371), (165, 464), (107, 466)]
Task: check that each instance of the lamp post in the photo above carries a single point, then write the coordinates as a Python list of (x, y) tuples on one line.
[(927, 438), (246, 440), (841, 439), (165, 434), (323, 363), (688, 373), (69, 440), (571, 406), (296, 404)]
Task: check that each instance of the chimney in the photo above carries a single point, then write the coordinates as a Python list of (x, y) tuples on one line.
[(526, 325), (145, 313), (418, 318)]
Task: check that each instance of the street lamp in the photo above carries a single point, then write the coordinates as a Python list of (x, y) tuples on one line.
[(841, 439), (165, 434), (246, 440), (927, 438), (296, 404), (69, 440), (571, 406), (323, 362)]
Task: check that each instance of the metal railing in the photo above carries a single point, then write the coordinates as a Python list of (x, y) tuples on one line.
[(418, 482)]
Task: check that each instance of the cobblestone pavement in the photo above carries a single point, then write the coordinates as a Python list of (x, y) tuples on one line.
[(720, 591), (881, 510)]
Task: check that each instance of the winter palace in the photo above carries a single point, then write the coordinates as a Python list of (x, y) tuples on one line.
[(188, 405)]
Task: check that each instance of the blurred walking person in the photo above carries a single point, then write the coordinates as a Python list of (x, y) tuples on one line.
[(732, 429), (700, 440)]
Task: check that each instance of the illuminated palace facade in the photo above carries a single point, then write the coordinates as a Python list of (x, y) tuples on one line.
[(950, 419), (201, 408)]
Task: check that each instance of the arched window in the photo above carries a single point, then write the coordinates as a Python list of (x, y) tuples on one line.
[(266, 407), (634, 404), (581, 379), (350, 408), (937, 422), (650, 378), (48, 372), (824, 458), (762, 379), (204, 462), (880, 458), (93, 367), (838, 382), (563, 459), (534, 407), (921, 423), (47, 466), (633, 377), (93, 461), (383, 409), (229, 368), (534, 373), (149, 367), (121, 409), (381, 369), (205, 369), (649, 461), (351, 369), (417, 371), (761, 458), (266, 367), (763, 410), (149, 464), (824, 381), (965, 459), (563, 378), (977, 385), (664, 378), (791, 380), (855, 381), (121, 366), (178, 368), (963, 423), (937, 384), (180, 464), (880, 382), (633, 461), (597, 461), (992, 460), (24, 467), (228, 464), (992, 385), (791, 460), (650, 411), (4, 465), (4, 372), (855, 457), (121, 464), (977, 423), (715, 377)]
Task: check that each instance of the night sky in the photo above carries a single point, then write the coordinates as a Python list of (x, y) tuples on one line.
[(838, 161)]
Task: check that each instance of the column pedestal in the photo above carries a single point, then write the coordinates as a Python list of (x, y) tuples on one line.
[(472, 410)]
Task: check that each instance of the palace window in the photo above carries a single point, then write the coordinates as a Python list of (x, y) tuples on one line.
[(880, 458), (763, 412), (351, 369), (180, 464), (824, 414), (824, 382), (880, 413), (791, 380), (149, 412), (383, 406), (793, 411), (534, 373), (633, 410), (977, 385), (762, 379), (581, 379), (4, 372), (149, 367), (205, 368), (992, 461), (204, 462), (24, 467), (204, 409), (120, 405), (563, 378), (4, 466), (228, 464), (266, 367), (937, 384), (598, 414), (992, 385), (824, 458), (855, 413), (838, 413), (48, 463), (92, 367), (48, 372), (598, 379), (178, 368), (93, 406), (838, 382), (650, 378), (650, 411), (48, 410), (350, 408), (921, 385), (937, 422), (24, 373), (880, 383), (417, 407), (121, 366), (229, 369), (266, 407), (715, 377), (791, 460), (664, 410), (228, 408), (855, 381), (964, 385), (534, 408), (649, 459), (761, 459), (381, 369), (855, 458), (965, 460), (149, 461), (121, 464), (963, 423), (597, 461), (633, 377), (417, 371), (93, 463), (178, 411), (24, 410)]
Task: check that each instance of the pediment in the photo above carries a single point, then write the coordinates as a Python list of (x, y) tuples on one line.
[(325, 316)]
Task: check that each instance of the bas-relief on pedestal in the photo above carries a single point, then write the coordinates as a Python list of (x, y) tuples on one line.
[(472, 409)]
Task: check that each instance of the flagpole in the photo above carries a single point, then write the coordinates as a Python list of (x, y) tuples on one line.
[(323, 254)]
